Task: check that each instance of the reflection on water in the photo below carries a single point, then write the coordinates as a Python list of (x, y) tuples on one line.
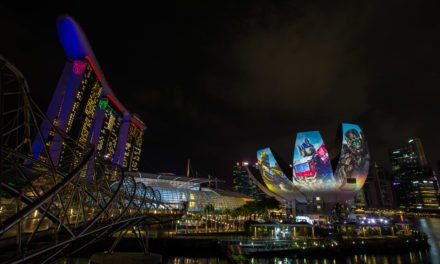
[(416, 257), (411, 257), (430, 226), (74, 261), (185, 260)]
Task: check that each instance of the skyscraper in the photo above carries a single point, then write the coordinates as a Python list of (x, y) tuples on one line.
[(242, 182), (378, 188), (413, 178), (85, 108)]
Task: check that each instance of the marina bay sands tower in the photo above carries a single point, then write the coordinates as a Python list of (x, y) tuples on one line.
[(86, 109)]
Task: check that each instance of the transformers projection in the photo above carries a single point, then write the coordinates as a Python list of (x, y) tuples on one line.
[(312, 174)]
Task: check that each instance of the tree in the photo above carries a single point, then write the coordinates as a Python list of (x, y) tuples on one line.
[(208, 210), (197, 217), (226, 217)]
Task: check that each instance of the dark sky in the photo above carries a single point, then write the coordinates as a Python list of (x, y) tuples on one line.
[(217, 80)]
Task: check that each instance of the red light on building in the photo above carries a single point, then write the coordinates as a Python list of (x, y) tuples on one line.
[(79, 67), (136, 123), (114, 102), (94, 69)]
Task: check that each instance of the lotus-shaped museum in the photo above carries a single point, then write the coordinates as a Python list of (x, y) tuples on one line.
[(311, 171)]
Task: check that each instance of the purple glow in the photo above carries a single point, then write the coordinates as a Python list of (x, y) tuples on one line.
[(76, 45), (118, 157)]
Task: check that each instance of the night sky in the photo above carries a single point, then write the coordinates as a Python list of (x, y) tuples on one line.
[(215, 82)]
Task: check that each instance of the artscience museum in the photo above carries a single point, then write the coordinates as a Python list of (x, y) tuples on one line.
[(315, 173)]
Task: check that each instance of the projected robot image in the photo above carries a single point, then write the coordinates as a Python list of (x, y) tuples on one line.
[(272, 174), (312, 171), (353, 165), (311, 162)]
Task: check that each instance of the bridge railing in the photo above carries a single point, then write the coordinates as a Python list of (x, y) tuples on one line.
[(71, 197)]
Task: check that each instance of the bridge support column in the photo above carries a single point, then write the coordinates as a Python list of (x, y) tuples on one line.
[(140, 239), (116, 242), (19, 229), (147, 231)]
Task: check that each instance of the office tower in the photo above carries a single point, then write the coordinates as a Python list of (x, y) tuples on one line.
[(378, 188), (242, 182), (413, 178)]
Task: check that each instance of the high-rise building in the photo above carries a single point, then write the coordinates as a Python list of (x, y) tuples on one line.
[(360, 199), (243, 183), (385, 186), (413, 178), (86, 109), (378, 188)]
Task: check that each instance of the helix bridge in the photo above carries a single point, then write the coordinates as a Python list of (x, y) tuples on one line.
[(48, 211)]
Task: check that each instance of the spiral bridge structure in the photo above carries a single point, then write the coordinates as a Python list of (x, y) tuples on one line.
[(58, 193)]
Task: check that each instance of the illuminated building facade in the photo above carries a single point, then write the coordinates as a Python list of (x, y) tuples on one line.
[(312, 170), (133, 146), (242, 182), (177, 189), (425, 194), (86, 109), (108, 135), (413, 182)]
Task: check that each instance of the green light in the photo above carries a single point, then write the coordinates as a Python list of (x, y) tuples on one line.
[(360, 141), (103, 104), (354, 143), (11, 184)]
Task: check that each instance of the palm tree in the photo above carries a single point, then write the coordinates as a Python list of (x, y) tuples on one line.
[(235, 213), (261, 209), (226, 214), (249, 209), (208, 210), (240, 212), (197, 217), (215, 214)]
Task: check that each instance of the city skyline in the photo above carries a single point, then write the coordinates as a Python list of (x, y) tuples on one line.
[(215, 82)]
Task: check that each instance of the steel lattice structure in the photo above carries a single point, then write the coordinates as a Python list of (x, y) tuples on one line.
[(49, 210)]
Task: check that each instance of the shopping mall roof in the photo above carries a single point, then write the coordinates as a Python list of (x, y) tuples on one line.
[(173, 181), (175, 189)]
